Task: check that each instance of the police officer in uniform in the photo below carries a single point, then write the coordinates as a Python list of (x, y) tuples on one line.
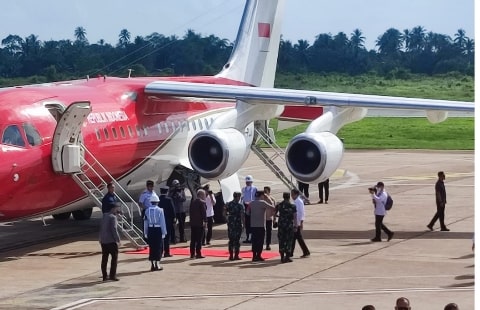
[(166, 204), (155, 230), (235, 222)]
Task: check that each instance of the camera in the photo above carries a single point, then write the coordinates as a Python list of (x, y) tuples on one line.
[(373, 189), (210, 192)]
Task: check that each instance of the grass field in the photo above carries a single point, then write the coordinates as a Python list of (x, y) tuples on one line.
[(393, 132)]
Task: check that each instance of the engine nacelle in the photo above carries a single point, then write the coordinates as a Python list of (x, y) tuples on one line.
[(218, 153), (314, 157)]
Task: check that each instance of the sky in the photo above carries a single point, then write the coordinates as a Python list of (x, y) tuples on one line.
[(304, 19)]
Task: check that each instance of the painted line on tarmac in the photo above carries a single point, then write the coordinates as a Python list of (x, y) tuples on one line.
[(85, 302)]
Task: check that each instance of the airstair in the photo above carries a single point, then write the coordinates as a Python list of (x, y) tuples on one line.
[(70, 156), (91, 166), (275, 159)]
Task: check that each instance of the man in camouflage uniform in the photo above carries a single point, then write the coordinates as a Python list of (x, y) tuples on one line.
[(287, 224), (235, 221)]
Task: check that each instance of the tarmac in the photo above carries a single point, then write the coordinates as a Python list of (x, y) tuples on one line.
[(58, 266)]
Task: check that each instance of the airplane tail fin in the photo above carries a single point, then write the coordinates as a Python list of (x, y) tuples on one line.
[(254, 57)]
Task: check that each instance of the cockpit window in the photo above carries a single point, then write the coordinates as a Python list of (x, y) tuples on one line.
[(12, 136), (33, 137)]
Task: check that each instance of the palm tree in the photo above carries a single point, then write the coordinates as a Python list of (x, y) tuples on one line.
[(357, 40), (13, 43), (469, 47), (390, 42), (123, 38), (406, 39), (460, 39), (417, 39), (81, 35)]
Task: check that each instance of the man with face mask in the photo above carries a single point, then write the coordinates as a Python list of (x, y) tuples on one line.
[(379, 197), (248, 195)]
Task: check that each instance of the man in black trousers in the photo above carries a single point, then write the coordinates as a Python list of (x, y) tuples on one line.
[(441, 201), (166, 203)]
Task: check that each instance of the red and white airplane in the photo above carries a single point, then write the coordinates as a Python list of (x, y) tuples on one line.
[(145, 128)]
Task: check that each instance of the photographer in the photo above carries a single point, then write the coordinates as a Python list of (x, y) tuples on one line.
[(209, 202), (177, 193), (379, 197)]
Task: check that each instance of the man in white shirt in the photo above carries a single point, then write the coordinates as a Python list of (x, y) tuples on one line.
[(379, 197), (210, 203), (300, 219), (248, 195)]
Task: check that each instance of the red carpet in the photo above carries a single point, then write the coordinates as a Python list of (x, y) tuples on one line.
[(209, 252)]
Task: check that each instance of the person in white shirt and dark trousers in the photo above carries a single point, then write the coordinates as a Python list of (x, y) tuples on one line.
[(155, 230), (300, 219), (248, 195), (209, 202), (379, 197)]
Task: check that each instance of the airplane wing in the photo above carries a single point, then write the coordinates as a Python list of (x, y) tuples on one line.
[(262, 95)]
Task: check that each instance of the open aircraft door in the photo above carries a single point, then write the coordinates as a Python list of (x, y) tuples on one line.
[(67, 139)]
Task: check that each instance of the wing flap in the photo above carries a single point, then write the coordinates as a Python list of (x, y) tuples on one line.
[(262, 95)]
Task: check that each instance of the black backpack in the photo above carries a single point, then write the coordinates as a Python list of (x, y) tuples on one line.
[(389, 203)]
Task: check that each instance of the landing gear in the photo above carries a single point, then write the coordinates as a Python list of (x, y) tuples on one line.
[(61, 216), (81, 215)]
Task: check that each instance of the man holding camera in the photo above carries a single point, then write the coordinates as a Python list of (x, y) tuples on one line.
[(379, 197)]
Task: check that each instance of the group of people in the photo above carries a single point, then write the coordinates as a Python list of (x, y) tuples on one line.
[(403, 303), (253, 210), (258, 212)]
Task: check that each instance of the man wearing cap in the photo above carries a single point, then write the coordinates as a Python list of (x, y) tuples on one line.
[(248, 195), (177, 193), (145, 197), (166, 204), (235, 222), (110, 242), (379, 197), (154, 229), (109, 199)]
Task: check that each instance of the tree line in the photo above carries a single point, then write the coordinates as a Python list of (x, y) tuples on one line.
[(397, 53)]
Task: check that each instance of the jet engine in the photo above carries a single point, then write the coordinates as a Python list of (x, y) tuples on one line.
[(314, 157), (218, 153)]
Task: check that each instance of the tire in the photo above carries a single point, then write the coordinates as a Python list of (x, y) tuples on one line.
[(61, 216), (82, 215)]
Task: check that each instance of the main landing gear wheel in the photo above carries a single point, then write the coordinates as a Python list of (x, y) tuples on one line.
[(81, 215), (62, 216)]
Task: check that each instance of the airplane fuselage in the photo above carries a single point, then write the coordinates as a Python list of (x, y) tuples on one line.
[(135, 136)]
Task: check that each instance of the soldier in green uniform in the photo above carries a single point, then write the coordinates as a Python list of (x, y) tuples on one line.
[(236, 222), (287, 223)]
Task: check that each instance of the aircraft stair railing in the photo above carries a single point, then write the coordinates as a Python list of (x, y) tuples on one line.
[(92, 167), (270, 160)]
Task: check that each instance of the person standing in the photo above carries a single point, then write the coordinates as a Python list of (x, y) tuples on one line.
[(110, 242), (300, 219), (321, 186), (303, 188), (155, 230), (109, 199), (198, 220), (269, 216), (209, 202), (287, 224), (257, 211), (441, 201), (248, 195), (166, 204), (379, 197), (145, 197), (235, 223), (177, 193)]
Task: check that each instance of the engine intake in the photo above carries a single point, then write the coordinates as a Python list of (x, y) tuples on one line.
[(314, 157), (218, 153)]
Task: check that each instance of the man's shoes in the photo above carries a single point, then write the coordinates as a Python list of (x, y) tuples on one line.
[(445, 229), (199, 256), (430, 227), (114, 279), (105, 279), (183, 240), (268, 248), (305, 255), (326, 202), (152, 268), (260, 259), (192, 256), (167, 255), (230, 258), (288, 260), (247, 241), (159, 268), (376, 240), (320, 201), (208, 243), (390, 236), (237, 258)]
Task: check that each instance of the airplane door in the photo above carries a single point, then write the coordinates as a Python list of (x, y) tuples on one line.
[(66, 151)]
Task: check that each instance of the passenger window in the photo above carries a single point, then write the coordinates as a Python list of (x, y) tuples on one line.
[(33, 137), (122, 132), (114, 132), (138, 130), (105, 131), (12, 136), (130, 131), (97, 132)]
